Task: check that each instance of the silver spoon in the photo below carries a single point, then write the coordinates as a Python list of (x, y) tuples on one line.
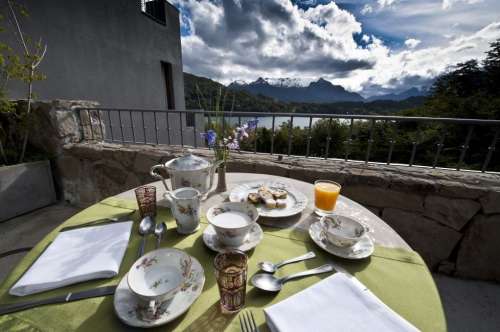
[(146, 227), (271, 267), (159, 230), (270, 283)]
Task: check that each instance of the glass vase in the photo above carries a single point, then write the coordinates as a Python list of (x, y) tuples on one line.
[(221, 179)]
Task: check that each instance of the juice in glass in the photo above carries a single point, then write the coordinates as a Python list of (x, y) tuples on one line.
[(325, 196)]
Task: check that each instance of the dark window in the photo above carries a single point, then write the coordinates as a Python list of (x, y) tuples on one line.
[(169, 84), (154, 9)]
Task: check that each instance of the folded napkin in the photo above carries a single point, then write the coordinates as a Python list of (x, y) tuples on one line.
[(337, 303), (75, 256)]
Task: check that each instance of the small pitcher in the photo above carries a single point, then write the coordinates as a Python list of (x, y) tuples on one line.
[(185, 206)]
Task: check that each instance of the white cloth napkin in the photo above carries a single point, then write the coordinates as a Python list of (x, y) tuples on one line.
[(74, 256), (337, 303)]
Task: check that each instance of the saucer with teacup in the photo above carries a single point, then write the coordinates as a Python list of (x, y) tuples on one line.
[(159, 287), (342, 236), (232, 225)]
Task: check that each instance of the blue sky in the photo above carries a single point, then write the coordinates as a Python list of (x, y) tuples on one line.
[(368, 46)]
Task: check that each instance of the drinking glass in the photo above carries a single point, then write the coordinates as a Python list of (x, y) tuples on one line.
[(325, 196), (146, 200), (231, 273)]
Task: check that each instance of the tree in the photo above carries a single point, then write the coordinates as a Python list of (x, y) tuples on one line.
[(492, 67), (21, 66)]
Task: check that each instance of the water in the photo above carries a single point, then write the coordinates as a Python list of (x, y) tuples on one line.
[(267, 121)]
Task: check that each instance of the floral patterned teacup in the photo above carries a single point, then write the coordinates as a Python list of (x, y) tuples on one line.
[(185, 206), (232, 221), (157, 276), (342, 231)]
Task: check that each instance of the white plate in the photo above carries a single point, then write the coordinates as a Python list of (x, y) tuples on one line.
[(253, 239), (364, 248), (130, 312), (296, 201)]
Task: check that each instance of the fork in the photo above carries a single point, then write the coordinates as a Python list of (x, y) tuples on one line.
[(248, 323)]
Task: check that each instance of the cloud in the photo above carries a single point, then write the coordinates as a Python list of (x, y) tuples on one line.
[(367, 9), (447, 4), (385, 3), (242, 40), (271, 38), (412, 43)]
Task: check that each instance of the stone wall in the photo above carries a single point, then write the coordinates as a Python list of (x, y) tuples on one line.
[(451, 218)]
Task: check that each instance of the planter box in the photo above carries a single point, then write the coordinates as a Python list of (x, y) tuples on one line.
[(25, 187)]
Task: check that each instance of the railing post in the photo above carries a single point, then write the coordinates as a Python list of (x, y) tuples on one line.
[(156, 128), (121, 125), (272, 135), (182, 137), (309, 137), (168, 127), (290, 134), (256, 135), (370, 142), (491, 149), (439, 148), (328, 138), (89, 116), (110, 125), (465, 147), (132, 125)]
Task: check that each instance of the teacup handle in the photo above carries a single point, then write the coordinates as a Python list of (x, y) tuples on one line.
[(153, 172)]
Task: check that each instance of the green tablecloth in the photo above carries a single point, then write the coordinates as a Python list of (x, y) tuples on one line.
[(398, 277)]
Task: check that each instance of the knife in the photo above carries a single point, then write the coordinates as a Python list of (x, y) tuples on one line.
[(70, 297)]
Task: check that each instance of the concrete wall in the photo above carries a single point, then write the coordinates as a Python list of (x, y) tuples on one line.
[(107, 51)]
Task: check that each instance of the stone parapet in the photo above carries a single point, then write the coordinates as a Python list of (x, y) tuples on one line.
[(442, 214)]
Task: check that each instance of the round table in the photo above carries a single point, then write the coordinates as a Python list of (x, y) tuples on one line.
[(383, 234), (394, 273)]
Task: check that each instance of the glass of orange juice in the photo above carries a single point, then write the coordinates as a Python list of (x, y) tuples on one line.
[(325, 196)]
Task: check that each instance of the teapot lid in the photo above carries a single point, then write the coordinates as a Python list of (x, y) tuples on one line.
[(188, 162)]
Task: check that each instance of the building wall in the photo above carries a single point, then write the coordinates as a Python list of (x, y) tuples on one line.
[(107, 51)]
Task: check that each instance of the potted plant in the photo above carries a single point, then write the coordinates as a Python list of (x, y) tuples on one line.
[(24, 186)]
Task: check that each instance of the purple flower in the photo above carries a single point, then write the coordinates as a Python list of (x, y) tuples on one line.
[(233, 145), (252, 124), (210, 136)]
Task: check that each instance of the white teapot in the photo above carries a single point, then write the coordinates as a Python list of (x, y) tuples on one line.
[(188, 171)]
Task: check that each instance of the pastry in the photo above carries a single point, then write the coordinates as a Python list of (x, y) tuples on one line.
[(279, 194), (267, 197), (281, 203), (254, 198)]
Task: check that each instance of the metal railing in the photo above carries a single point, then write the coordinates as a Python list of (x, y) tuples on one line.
[(460, 144)]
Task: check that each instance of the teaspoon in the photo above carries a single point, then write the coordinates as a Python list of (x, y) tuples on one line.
[(146, 227), (160, 229), (270, 283), (271, 267)]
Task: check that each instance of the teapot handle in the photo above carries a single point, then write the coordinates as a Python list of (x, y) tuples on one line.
[(156, 175)]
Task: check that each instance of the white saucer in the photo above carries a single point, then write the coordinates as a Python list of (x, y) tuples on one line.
[(254, 237), (129, 311), (364, 248)]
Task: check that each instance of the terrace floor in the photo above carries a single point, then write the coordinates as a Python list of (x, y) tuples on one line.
[(469, 305)]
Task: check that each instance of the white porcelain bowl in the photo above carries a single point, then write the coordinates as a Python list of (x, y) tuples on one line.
[(232, 221), (159, 275), (342, 231)]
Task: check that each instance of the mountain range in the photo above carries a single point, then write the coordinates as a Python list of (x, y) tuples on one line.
[(201, 93), (320, 91)]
